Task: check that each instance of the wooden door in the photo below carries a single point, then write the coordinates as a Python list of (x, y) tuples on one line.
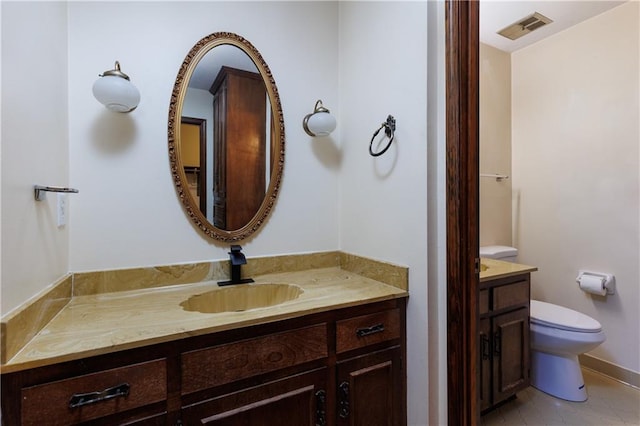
[(462, 153)]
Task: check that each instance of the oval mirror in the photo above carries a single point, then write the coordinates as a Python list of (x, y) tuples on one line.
[(226, 137)]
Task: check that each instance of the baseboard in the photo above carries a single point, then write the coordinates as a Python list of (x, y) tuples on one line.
[(612, 370)]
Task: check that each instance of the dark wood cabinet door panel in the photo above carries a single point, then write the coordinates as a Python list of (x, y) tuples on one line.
[(511, 349), (370, 391), (296, 400)]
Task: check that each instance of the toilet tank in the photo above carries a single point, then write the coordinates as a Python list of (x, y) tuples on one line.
[(504, 253)]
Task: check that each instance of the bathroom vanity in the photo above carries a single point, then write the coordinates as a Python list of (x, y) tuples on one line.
[(339, 367), (503, 331), (333, 356)]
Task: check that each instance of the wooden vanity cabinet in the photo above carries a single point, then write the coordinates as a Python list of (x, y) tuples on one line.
[(342, 367), (504, 339)]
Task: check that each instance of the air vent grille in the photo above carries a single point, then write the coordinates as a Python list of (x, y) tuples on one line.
[(525, 26)]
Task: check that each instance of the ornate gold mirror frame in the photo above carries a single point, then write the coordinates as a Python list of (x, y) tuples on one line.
[(191, 206)]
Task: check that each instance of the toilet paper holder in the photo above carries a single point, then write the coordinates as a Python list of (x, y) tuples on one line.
[(609, 280)]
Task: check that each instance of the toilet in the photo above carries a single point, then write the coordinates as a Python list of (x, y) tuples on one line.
[(558, 335)]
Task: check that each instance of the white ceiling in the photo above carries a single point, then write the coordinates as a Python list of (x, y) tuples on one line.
[(497, 14), (494, 16)]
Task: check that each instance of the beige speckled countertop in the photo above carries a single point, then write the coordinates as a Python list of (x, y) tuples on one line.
[(499, 269), (106, 322)]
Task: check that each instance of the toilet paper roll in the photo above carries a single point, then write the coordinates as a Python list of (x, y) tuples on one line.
[(592, 284)]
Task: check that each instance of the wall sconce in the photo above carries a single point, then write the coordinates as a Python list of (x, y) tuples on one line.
[(115, 91), (320, 122)]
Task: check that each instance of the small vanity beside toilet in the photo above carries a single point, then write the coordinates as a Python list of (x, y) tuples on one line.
[(503, 326), (557, 336)]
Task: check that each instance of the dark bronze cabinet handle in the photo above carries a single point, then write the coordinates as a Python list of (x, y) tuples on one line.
[(486, 350), (343, 392), (497, 343), (81, 399), (321, 408), (378, 328)]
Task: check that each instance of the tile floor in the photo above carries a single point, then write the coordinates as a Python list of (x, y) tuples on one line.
[(610, 403)]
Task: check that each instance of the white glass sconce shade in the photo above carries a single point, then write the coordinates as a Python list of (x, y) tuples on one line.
[(320, 122), (115, 91)]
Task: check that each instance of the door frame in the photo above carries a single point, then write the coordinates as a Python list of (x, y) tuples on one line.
[(462, 192)]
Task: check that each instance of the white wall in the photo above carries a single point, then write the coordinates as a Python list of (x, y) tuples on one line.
[(383, 70), (575, 170), (495, 146), (35, 251), (129, 214)]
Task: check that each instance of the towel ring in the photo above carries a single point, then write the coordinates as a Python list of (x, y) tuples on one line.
[(389, 127)]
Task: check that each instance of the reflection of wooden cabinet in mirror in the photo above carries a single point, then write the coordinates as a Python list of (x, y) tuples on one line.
[(239, 137)]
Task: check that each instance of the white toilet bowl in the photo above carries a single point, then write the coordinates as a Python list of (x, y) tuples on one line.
[(558, 336)]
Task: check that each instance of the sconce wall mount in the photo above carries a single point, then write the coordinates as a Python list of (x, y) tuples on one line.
[(115, 91)]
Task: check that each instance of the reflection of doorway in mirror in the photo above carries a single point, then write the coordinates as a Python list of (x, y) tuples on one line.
[(193, 151)]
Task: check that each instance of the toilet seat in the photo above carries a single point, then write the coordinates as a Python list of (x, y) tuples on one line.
[(554, 316)]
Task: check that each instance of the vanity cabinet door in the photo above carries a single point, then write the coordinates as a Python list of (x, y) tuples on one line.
[(297, 400), (370, 390), (511, 354)]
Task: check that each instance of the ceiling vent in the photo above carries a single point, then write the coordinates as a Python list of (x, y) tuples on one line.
[(525, 26)]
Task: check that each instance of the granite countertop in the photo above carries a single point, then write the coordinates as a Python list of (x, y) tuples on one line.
[(498, 269), (107, 322)]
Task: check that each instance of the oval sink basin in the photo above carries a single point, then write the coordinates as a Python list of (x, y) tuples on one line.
[(241, 298)]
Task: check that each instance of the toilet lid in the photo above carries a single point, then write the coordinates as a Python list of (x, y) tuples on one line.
[(555, 316), (497, 252)]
